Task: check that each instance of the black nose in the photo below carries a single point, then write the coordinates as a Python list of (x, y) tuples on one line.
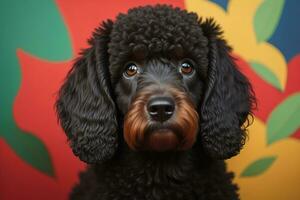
[(161, 108)]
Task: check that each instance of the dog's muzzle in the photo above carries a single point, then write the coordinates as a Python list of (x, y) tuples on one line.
[(161, 121)]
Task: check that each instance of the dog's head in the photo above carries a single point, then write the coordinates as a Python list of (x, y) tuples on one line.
[(160, 78)]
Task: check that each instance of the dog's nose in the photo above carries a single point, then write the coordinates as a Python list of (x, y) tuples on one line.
[(161, 108)]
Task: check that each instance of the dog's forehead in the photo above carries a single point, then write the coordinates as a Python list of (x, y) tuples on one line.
[(156, 29)]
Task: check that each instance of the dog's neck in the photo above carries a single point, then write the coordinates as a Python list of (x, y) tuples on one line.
[(158, 173), (157, 165)]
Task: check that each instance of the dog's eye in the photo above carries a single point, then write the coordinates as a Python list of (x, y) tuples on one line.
[(131, 70), (186, 67)]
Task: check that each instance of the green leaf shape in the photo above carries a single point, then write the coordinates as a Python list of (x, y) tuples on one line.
[(266, 19), (33, 151), (284, 119), (258, 167), (266, 74), (37, 27)]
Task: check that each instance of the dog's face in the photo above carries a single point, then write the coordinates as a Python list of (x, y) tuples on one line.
[(159, 79), (167, 76), (159, 98)]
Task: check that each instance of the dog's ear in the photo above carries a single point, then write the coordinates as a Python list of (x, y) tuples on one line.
[(85, 107), (227, 101)]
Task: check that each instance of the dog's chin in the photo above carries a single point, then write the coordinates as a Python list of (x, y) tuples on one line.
[(162, 140)]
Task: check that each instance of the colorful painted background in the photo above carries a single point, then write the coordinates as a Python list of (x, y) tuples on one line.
[(40, 38)]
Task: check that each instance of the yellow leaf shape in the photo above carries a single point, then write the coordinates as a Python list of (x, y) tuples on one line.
[(281, 180), (238, 27)]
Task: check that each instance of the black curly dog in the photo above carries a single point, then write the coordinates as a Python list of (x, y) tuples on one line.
[(155, 105)]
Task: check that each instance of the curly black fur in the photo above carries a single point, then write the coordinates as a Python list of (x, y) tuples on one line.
[(93, 101), (86, 111), (227, 102)]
